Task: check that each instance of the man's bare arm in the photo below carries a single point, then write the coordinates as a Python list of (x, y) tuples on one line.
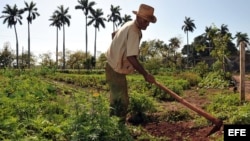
[(136, 64), (133, 60)]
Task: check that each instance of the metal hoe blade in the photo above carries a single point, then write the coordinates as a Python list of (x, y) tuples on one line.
[(215, 128)]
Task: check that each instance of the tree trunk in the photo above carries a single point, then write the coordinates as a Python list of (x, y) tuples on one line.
[(95, 44), (64, 48), (28, 45), (187, 51), (113, 26), (17, 61), (242, 71), (56, 47), (86, 36)]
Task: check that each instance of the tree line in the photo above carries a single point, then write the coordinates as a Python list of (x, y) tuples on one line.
[(12, 15), (214, 42)]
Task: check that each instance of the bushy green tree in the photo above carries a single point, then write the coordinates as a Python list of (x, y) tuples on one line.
[(6, 56)]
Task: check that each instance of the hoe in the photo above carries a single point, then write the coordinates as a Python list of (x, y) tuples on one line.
[(218, 123)]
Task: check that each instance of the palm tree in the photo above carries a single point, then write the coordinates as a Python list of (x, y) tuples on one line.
[(241, 37), (57, 23), (224, 29), (12, 15), (188, 27), (32, 14), (115, 16), (86, 6), (64, 19), (125, 19), (98, 20)]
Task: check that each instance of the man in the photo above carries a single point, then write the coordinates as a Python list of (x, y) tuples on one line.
[(122, 59)]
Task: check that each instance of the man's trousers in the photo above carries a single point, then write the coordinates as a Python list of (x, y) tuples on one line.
[(119, 99)]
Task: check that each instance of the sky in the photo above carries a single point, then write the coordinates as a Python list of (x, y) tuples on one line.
[(170, 18)]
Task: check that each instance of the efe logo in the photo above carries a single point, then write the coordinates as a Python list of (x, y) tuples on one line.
[(236, 132), (241, 132)]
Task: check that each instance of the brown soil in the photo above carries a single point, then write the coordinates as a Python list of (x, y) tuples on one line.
[(181, 131), (186, 130)]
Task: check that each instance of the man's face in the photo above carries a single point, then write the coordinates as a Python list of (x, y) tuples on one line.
[(142, 23)]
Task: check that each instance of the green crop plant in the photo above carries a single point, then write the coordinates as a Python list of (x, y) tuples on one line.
[(243, 115), (214, 80), (175, 116), (34, 109), (229, 108), (94, 123), (140, 105)]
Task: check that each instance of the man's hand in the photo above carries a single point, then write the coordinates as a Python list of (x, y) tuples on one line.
[(149, 78)]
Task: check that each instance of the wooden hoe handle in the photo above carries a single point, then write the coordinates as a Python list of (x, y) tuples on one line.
[(201, 112)]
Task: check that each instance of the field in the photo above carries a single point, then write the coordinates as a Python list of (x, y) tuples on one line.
[(48, 105), (185, 130)]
